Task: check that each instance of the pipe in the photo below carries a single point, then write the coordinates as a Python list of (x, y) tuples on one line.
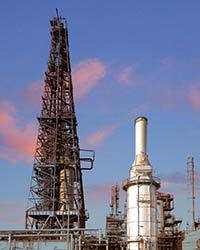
[(9, 241), (141, 157), (140, 135)]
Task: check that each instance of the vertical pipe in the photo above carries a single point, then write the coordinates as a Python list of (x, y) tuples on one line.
[(138, 206), (68, 229), (107, 248), (79, 242), (140, 136), (9, 241), (66, 189)]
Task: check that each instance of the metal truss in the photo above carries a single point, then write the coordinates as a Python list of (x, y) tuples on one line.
[(56, 192)]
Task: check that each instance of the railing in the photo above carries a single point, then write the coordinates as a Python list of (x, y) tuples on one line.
[(140, 180)]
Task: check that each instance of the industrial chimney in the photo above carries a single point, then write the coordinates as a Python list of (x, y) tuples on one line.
[(141, 195)]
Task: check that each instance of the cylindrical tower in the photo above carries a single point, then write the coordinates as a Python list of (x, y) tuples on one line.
[(141, 195), (140, 136)]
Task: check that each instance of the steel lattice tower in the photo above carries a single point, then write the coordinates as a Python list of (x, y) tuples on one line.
[(56, 192)]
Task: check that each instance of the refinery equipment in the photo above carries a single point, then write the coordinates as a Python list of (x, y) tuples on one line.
[(146, 229), (141, 190), (190, 177), (56, 192), (169, 235), (56, 216), (116, 222), (192, 235)]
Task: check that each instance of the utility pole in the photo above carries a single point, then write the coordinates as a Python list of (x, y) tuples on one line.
[(190, 175)]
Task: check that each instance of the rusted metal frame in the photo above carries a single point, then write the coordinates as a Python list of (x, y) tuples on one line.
[(48, 109)]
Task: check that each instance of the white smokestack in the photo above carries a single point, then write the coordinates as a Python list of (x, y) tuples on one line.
[(140, 135), (141, 157), (141, 195)]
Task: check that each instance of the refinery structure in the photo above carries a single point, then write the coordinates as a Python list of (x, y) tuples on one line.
[(56, 216)]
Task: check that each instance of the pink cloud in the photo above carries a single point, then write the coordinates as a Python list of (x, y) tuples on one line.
[(18, 220), (8, 208), (175, 183), (194, 96), (100, 135), (166, 97), (86, 76), (18, 143), (126, 75), (7, 107), (169, 183), (32, 92), (98, 194), (12, 213)]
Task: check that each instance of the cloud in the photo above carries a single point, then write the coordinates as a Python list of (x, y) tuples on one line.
[(98, 194), (126, 75), (7, 107), (18, 220), (100, 135), (17, 143), (174, 183), (10, 218), (8, 208), (166, 97), (194, 96), (86, 76), (32, 92)]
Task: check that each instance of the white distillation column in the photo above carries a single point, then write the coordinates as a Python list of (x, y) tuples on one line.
[(141, 195)]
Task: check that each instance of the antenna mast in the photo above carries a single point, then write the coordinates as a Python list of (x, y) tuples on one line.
[(190, 173)]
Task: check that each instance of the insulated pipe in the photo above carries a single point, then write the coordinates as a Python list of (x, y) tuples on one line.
[(66, 189), (140, 136)]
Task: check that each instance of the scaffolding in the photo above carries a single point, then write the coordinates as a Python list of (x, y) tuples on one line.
[(56, 197), (115, 223), (169, 237), (68, 239)]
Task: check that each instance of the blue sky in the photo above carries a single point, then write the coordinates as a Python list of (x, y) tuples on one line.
[(128, 59)]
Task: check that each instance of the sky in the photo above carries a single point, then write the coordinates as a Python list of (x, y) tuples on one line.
[(129, 58)]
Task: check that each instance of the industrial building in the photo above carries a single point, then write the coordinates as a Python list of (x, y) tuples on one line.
[(56, 217)]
